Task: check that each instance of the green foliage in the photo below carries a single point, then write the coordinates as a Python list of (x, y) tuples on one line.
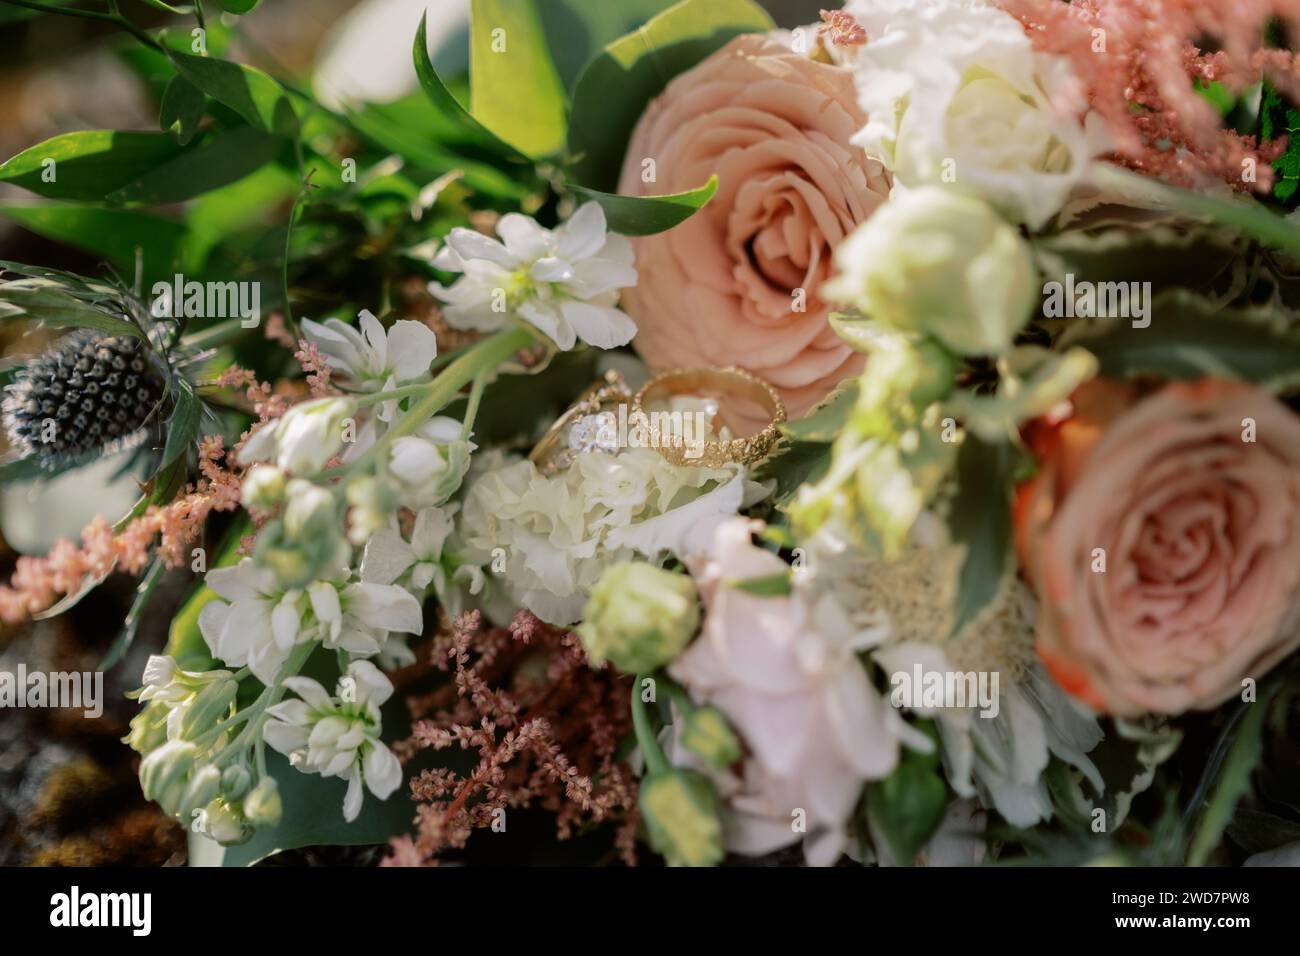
[(905, 809), (645, 215), (88, 165), (256, 97), (979, 519), (514, 89), (614, 89)]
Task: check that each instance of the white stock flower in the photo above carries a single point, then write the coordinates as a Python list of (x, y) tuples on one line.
[(430, 464), (359, 617), (376, 359), (424, 560), (308, 436), (338, 736), (956, 93), (255, 623), (564, 281)]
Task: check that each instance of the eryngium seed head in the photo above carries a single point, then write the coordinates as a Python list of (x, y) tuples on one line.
[(89, 393)]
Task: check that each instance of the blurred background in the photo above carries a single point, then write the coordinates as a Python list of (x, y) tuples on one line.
[(68, 791)]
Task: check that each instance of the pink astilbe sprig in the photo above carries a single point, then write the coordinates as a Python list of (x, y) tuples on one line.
[(546, 727), (166, 531), (1139, 60), (316, 367), (842, 28)]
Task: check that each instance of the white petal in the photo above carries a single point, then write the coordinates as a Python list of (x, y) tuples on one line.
[(469, 244), (551, 323), (525, 239), (293, 711), (309, 690), (385, 606), (285, 738), (383, 772), (285, 621), (373, 687), (260, 446), (411, 347), (605, 328), (551, 269), (338, 342), (415, 461), (432, 526), (583, 234), (324, 599), (386, 556), (352, 799)]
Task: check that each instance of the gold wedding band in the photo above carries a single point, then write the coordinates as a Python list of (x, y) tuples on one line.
[(705, 382)]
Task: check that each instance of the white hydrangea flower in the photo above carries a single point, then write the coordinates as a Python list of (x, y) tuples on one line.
[(956, 94), (374, 358), (559, 533), (563, 281), (338, 736)]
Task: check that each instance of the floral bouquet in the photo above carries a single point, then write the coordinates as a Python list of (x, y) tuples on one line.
[(868, 441)]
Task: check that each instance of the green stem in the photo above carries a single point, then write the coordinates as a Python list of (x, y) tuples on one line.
[(114, 18), (471, 407), (1246, 216), (655, 761), (256, 712), (215, 335)]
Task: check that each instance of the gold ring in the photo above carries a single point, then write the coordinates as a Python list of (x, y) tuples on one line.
[(591, 413), (702, 382)]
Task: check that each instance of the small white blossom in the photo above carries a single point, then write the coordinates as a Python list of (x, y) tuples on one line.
[(375, 359), (422, 561), (256, 624), (430, 464), (308, 436), (338, 736), (563, 281)]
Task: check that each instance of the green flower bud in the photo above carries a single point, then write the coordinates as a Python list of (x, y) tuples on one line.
[(210, 706), (224, 824), (639, 617), (705, 733), (311, 511), (235, 781), (164, 773), (148, 728), (939, 261), (263, 487), (680, 809), (262, 806), (203, 787)]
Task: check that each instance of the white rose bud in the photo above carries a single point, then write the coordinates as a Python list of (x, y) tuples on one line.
[(937, 261)]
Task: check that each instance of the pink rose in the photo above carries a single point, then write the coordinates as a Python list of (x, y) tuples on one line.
[(720, 289), (1191, 498)]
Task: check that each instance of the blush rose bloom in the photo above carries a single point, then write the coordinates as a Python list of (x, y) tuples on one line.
[(1201, 535), (719, 288)]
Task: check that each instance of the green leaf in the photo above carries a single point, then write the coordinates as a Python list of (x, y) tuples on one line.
[(313, 816), (87, 165), (614, 89), (143, 593), (905, 809), (1240, 747), (773, 585), (115, 234), (252, 94), (514, 89), (46, 302), (980, 520), (577, 30), (446, 104), (1191, 337), (183, 425), (228, 156), (239, 6), (793, 465), (824, 423), (183, 106), (646, 215)]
